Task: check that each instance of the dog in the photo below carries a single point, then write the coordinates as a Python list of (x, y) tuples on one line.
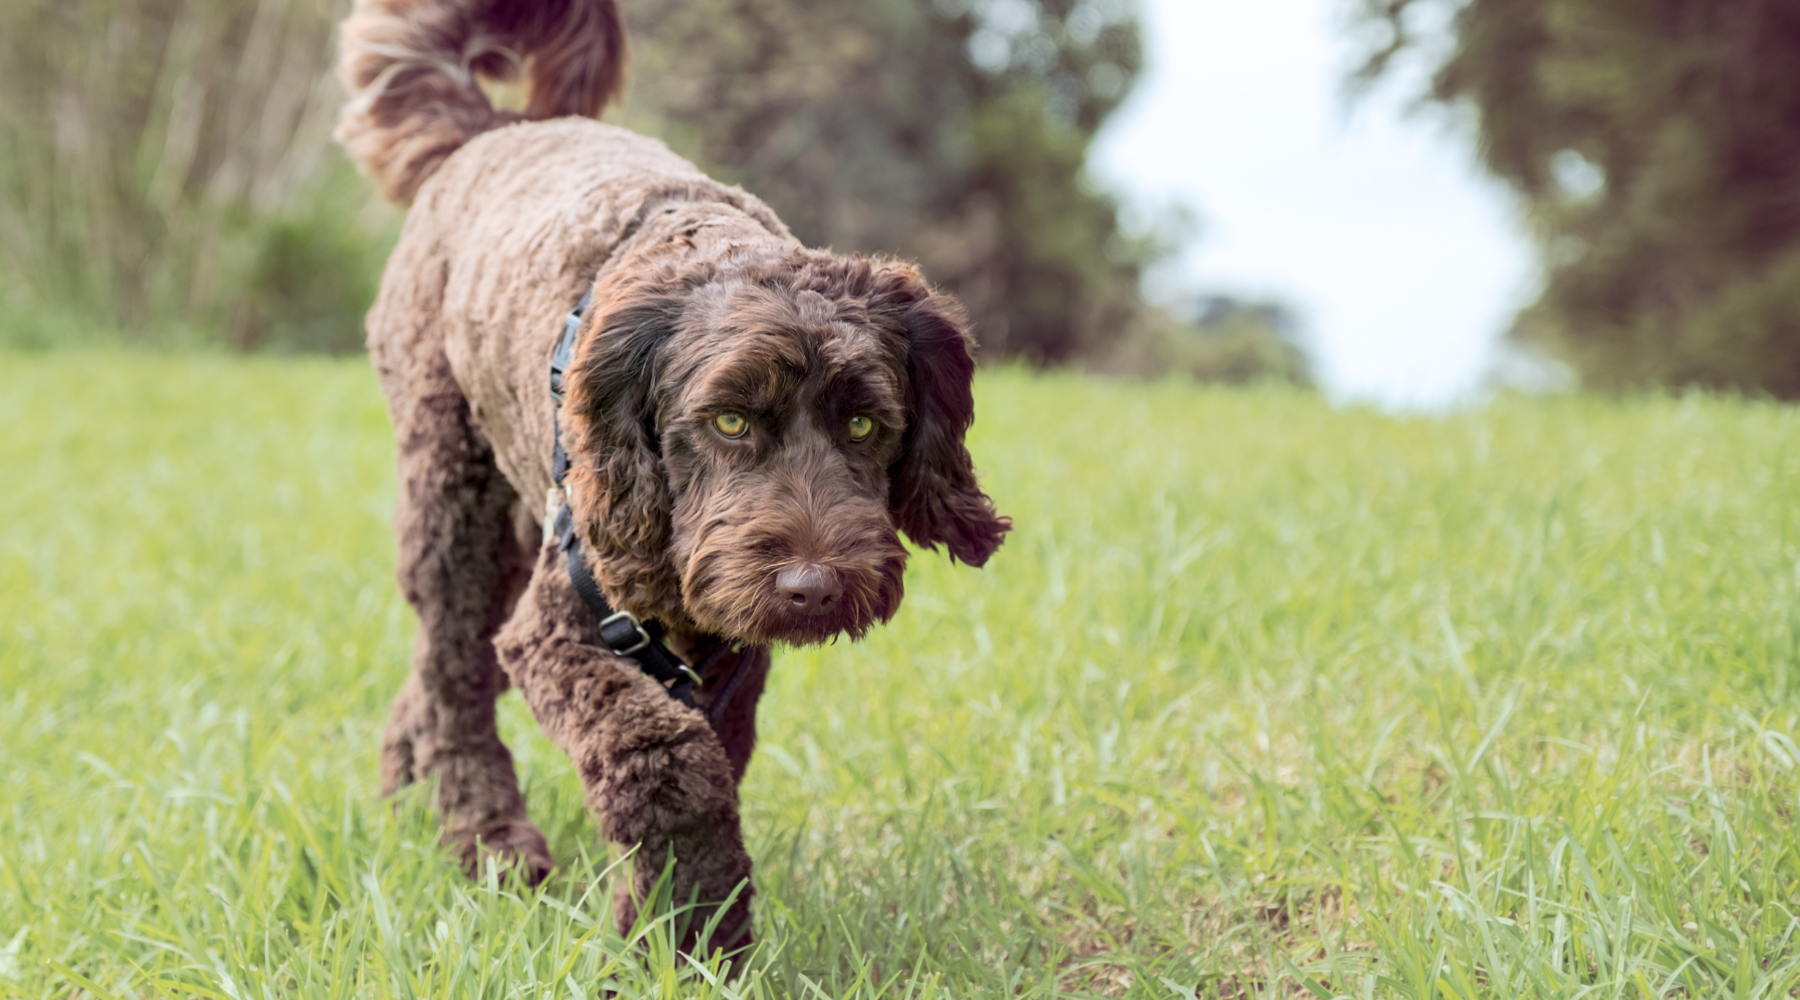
[(746, 428)]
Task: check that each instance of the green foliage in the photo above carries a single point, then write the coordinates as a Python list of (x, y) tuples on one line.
[(166, 172), (310, 273), (954, 133), (1657, 147), (1261, 698), (1218, 339), (165, 169)]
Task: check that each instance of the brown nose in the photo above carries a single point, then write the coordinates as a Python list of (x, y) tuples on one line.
[(809, 589)]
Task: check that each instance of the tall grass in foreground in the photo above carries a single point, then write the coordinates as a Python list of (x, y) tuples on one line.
[(1261, 699)]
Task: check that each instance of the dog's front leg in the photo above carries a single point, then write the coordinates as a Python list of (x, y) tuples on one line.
[(656, 775)]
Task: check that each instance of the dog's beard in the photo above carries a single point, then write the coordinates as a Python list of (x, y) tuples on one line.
[(730, 585)]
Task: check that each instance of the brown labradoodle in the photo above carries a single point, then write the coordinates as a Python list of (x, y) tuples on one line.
[(750, 424)]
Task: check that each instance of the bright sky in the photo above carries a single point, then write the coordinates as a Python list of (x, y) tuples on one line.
[(1403, 260)]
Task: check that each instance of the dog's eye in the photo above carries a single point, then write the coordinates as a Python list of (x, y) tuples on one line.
[(732, 425), (860, 427)]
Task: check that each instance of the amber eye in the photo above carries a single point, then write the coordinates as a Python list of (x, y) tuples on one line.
[(860, 427), (732, 425)]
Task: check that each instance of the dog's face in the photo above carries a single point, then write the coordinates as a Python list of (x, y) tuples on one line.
[(752, 436), (781, 423)]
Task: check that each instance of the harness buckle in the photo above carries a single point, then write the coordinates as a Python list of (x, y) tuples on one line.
[(627, 617)]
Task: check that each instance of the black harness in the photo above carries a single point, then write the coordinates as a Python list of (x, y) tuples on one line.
[(621, 630)]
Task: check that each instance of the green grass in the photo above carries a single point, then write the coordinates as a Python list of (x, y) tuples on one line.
[(1261, 699)]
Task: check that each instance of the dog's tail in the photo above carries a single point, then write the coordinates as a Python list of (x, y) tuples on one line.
[(411, 66)]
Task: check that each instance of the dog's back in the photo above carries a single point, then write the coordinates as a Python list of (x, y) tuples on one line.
[(503, 240), (513, 214)]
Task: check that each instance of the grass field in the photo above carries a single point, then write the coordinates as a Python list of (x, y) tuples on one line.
[(1261, 699)]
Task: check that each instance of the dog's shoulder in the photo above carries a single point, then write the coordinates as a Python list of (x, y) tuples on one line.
[(571, 187)]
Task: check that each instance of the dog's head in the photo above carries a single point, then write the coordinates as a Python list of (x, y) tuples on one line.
[(749, 437)]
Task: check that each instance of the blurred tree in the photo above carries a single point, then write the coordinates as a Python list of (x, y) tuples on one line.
[(1214, 338), (953, 131), (159, 164), (1656, 144), (167, 163)]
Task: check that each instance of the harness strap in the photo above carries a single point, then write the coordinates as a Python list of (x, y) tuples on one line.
[(620, 630), (623, 634), (561, 360)]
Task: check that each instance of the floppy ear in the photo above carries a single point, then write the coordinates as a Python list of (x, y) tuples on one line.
[(932, 490), (619, 494)]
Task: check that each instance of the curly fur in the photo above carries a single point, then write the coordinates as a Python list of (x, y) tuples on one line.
[(703, 305), (412, 71)]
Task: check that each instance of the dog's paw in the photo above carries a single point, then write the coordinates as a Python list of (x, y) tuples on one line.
[(516, 847), (731, 930)]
